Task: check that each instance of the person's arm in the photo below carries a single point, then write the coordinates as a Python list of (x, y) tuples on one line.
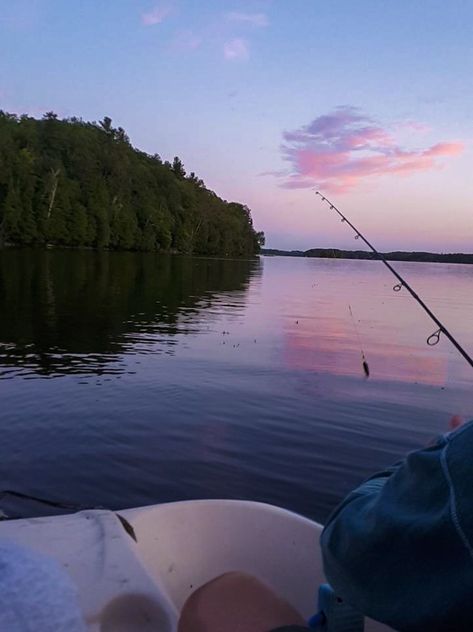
[(396, 548)]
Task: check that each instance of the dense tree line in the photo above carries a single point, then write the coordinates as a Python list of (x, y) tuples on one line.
[(334, 253), (74, 183), (432, 257)]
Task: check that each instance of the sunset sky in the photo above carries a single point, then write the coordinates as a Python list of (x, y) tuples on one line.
[(369, 101)]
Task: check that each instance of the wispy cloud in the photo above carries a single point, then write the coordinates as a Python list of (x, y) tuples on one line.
[(252, 19), (156, 15), (338, 151), (236, 49)]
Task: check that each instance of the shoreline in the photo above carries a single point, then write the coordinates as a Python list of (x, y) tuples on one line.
[(407, 256)]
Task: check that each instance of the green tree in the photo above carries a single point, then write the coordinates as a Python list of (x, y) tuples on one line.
[(11, 217), (73, 183), (178, 168)]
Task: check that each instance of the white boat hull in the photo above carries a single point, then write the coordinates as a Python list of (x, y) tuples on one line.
[(128, 586)]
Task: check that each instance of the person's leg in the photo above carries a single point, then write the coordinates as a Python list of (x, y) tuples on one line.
[(236, 602)]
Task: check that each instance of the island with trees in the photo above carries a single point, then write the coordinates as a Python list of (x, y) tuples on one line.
[(72, 183)]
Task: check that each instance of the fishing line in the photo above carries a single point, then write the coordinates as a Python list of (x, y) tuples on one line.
[(62, 505), (434, 338), (364, 361)]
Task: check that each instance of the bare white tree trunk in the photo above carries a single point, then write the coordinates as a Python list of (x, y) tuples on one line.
[(55, 175), (195, 231)]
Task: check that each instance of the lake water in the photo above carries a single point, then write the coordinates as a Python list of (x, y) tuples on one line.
[(130, 379)]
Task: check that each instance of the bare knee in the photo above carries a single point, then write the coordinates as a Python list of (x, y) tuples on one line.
[(236, 601)]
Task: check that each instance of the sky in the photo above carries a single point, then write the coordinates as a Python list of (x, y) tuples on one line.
[(368, 101)]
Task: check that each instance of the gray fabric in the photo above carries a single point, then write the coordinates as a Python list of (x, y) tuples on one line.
[(36, 594)]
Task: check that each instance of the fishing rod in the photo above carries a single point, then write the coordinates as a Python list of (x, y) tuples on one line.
[(434, 338)]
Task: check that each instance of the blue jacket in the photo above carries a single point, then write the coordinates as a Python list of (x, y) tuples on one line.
[(400, 547)]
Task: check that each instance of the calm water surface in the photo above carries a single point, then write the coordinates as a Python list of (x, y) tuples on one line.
[(129, 379)]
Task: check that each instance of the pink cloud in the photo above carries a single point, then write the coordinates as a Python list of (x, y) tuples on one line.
[(338, 151), (252, 19), (413, 126), (156, 15), (446, 149), (236, 49)]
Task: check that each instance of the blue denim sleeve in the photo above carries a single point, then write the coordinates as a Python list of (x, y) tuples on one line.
[(399, 547)]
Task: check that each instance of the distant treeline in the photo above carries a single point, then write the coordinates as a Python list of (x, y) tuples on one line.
[(78, 184), (333, 253)]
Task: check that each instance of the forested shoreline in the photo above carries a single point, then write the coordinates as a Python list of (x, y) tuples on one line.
[(335, 253), (73, 183)]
